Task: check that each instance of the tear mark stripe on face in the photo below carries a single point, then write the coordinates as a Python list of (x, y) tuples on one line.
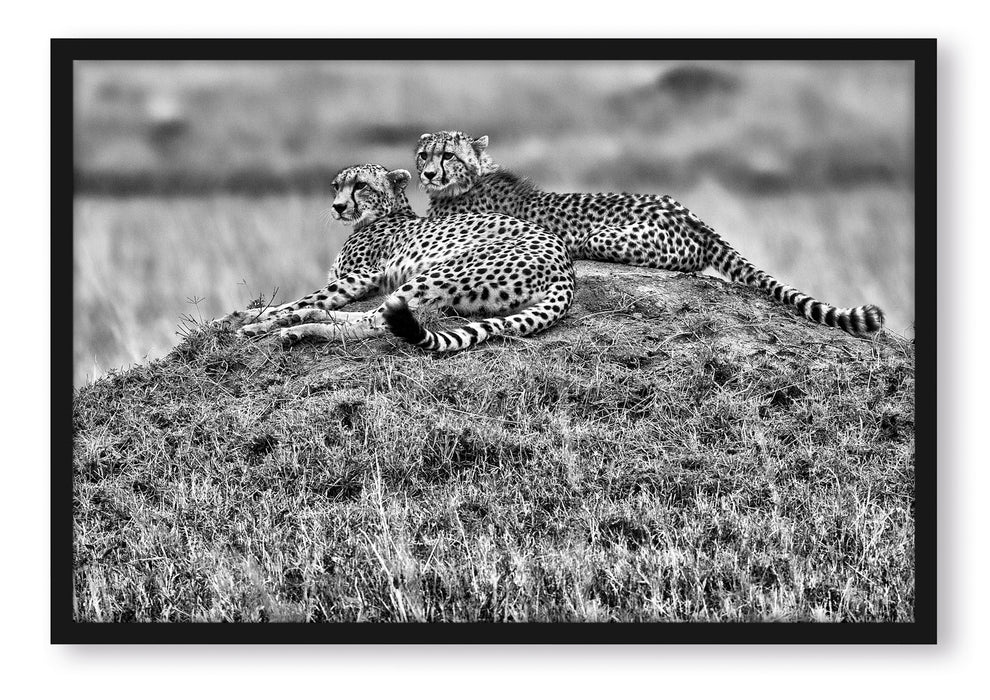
[(443, 171)]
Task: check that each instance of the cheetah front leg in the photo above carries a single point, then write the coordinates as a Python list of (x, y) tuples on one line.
[(369, 324), (250, 317), (315, 315), (355, 285)]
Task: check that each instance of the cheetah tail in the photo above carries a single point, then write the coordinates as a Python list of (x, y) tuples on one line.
[(402, 323), (859, 320)]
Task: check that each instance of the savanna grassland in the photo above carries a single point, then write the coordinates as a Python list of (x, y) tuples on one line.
[(676, 449), (194, 178)]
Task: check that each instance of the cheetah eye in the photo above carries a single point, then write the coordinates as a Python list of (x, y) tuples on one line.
[(448, 156), (422, 155), (359, 186)]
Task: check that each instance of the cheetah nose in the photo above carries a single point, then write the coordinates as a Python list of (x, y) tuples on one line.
[(429, 174), (340, 208)]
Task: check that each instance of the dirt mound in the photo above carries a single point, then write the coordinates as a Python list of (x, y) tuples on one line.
[(677, 448)]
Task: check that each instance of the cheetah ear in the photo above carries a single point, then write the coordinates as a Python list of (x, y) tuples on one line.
[(480, 144), (425, 136), (399, 178)]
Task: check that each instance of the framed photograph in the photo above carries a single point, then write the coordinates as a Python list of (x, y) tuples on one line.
[(527, 341)]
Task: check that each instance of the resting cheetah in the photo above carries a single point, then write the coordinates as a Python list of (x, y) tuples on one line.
[(647, 230), (471, 263)]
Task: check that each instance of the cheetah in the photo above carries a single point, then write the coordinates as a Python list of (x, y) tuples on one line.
[(472, 263), (459, 175)]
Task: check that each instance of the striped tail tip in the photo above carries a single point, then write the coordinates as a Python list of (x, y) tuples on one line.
[(867, 319), (861, 320), (402, 323)]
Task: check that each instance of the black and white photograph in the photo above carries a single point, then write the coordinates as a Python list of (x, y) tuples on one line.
[(604, 336)]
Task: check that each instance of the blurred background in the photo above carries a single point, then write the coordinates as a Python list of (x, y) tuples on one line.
[(202, 185)]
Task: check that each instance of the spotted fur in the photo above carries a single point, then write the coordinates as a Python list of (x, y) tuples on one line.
[(646, 230), (472, 263)]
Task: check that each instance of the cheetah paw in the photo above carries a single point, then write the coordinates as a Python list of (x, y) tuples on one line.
[(283, 321), (256, 329), (233, 320), (290, 336)]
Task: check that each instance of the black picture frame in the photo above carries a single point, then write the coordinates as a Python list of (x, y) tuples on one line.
[(64, 630)]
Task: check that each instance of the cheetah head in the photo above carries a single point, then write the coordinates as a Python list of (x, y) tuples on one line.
[(450, 162), (364, 193)]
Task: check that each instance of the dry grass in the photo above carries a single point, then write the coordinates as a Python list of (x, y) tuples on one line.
[(673, 450)]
